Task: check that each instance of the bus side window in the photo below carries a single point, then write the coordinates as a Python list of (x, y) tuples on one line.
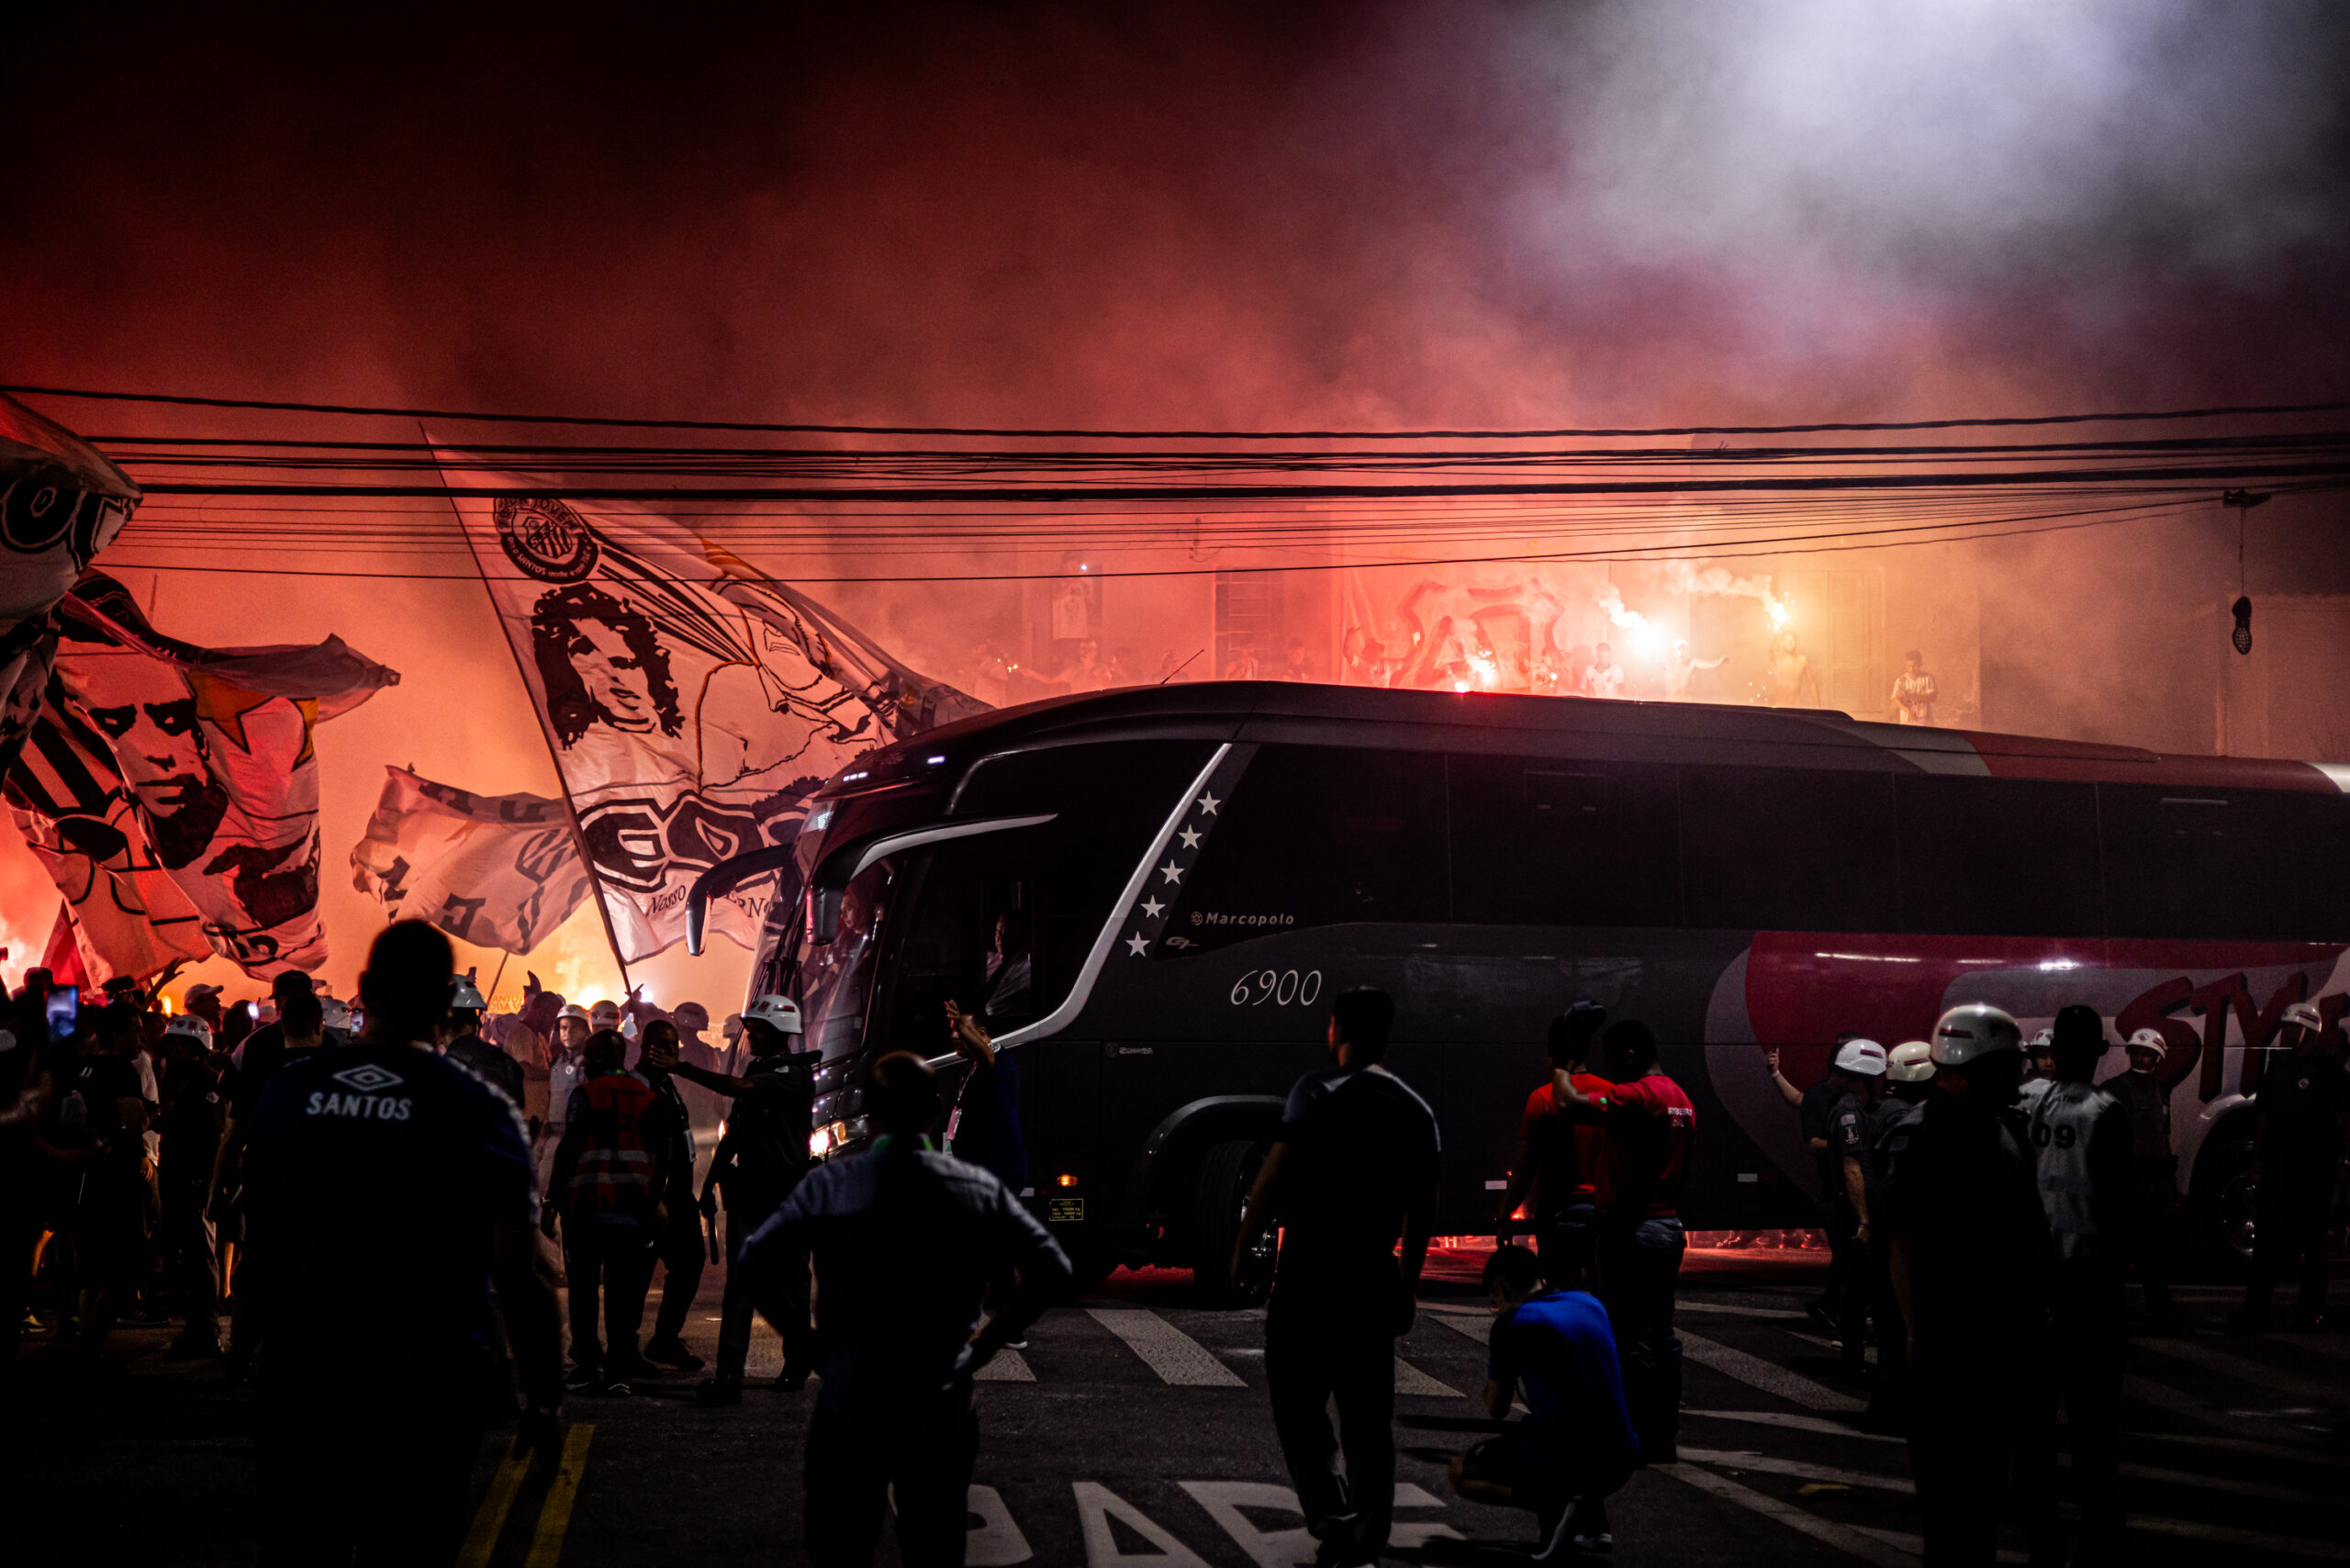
[(1537, 842), (1788, 849), (1998, 856), (2182, 860), (1318, 836)]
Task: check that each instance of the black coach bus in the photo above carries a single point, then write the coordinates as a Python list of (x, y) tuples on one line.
[(1202, 868)]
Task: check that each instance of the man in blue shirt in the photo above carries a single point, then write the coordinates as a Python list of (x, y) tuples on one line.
[(386, 1189), (904, 1239), (1576, 1445)]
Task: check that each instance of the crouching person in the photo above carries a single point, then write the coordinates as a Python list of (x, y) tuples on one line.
[(1576, 1446)]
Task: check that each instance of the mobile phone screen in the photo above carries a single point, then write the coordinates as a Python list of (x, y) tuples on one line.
[(64, 1013)]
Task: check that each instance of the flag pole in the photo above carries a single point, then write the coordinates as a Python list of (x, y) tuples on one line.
[(554, 755)]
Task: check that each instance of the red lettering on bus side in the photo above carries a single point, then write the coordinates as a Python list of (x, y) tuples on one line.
[(2213, 1002), (2152, 1011)]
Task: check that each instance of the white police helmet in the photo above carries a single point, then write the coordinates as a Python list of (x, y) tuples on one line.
[(189, 1027), (1864, 1058), (1912, 1061), (2304, 1015), (778, 1013), (2044, 1042), (1975, 1029), (2148, 1040)]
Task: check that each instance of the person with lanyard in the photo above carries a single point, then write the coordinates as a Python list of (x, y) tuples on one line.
[(2296, 1160), (678, 1242), (469, 1050), (1861, 1063), (1352, 1170), (388, 1190), (607, 1189), (2155, 1169), (2081, 1145), (1560, 1162), (904, 1239), (1576, 1445), (1814, 1105), (1971, 1267), (1650, 1125), (759, 1162), (1909, 1079)]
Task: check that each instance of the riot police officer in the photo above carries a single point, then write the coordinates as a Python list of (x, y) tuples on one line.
[(2296, 1155), (2080, 1136), (1909, 1079), (2154, 1164), (386, 1188)]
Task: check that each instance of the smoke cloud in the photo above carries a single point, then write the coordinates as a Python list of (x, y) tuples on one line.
[(1342, 215)]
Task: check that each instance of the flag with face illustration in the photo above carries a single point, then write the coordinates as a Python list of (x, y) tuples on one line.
[(692, 703), (76, 813), (212, 753), (60, 504)]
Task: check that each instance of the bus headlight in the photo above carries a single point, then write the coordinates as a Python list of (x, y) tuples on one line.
[(820, 1142)]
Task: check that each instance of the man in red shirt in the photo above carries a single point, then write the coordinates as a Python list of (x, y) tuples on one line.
[(1560, 1162), (1649, 1125)]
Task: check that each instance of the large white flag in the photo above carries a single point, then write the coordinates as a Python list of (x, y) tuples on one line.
[(495, 870), (691, 704), (61, 503), (211, 753)]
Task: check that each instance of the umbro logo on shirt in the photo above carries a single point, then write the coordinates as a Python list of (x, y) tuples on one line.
[(369, 1079)]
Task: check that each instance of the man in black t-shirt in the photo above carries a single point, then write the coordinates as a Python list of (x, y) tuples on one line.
[(759, 1162), (388, 1190), (1972, 1264), (298, 1035), (193, 1115), (1353, 1169)]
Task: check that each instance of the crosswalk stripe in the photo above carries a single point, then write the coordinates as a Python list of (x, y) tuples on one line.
[(1770, 1378), (2265, 1449), (1175, 1355), (1725, 1309), (1798, 1424), (1411, 1380), (2227, 1364), (1843, 1538), (2250, 1541), (1771, 1464), (1006, 1366), (2162, 1397)]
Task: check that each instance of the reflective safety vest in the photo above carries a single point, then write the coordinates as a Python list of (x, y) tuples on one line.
[(2063, 1117), (614, 1173)]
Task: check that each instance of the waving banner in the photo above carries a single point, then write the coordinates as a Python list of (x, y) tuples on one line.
[(495, 870), (61, 503), (211, 752), (691, 703), (76, 813)]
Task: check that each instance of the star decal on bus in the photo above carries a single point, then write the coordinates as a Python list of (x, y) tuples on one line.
[(1136, 946), (1172, 872), (1190, 836), (1151, 907), (1208, 804)]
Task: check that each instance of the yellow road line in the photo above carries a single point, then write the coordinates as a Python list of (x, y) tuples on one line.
[(489, 1523), (555, 1514)]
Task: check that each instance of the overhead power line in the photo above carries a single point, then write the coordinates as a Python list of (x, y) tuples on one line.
[(1084, 432)]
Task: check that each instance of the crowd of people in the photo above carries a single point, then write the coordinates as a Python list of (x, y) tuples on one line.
[(372, 1174)]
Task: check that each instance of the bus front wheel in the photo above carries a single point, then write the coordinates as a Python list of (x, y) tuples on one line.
[(1227, 1172)]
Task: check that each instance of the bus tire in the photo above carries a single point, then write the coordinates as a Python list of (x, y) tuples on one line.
[(2220, 1206), (1218, 1193)]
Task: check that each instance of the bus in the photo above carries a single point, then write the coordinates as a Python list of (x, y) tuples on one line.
[(1198, 869)]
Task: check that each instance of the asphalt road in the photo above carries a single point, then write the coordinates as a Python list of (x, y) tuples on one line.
[(1134, 1430)]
